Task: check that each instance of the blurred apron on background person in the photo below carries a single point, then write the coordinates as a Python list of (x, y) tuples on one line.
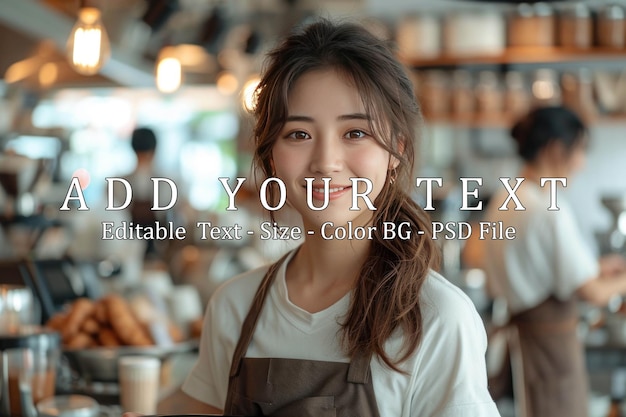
[(551, 361), (282, 387)]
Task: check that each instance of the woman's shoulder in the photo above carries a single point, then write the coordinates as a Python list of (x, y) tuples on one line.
[(236, 291), (437, 289), (445, 306), (451, 327)]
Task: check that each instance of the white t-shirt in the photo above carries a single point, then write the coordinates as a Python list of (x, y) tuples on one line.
[(548, 255), (446, 375)]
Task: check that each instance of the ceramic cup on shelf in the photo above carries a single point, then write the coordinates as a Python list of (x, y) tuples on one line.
[(419, 36)]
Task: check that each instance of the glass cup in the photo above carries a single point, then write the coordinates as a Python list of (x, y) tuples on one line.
[(18, 307), (31, 378)]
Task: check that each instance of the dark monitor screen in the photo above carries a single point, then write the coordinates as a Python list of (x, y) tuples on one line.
[(54, 277), (14, 272), (57, 284)]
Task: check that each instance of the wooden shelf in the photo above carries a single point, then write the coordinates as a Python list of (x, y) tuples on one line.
[(505, 121), (532, 56), (525, 55), (472, 120)]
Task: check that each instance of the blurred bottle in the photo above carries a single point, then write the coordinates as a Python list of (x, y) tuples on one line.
[(578, 93), (516, 96), (618, 392), (463, 95), (434, 94), (545, 88), (489, 96)]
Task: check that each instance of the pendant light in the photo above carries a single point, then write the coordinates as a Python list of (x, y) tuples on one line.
[(169, 72), (249, 93), (88, 46)]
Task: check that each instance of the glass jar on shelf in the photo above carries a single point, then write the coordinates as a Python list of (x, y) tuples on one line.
[(489, 95), (462, 100), (576, 27), (532, 25), (611, 27), (433, 93), (578, 93), (516, 94)]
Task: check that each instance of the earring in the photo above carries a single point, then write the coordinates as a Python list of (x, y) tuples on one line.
[(392, 176)]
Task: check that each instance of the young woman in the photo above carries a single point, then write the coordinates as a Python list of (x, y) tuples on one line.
[(341, 327), (548, 266)]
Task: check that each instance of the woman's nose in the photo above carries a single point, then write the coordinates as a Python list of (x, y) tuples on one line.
[(327, 156)]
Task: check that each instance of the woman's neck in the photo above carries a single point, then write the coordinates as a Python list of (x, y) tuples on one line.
[(323, 271), (534, 172), (332, 260)]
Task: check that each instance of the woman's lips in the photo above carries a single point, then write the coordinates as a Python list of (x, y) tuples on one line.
[(334, 192)]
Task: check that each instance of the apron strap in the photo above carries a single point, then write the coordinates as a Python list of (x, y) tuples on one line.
[(249, 324), (359, 370)]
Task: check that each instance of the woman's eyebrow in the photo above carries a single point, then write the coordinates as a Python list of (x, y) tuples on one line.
[(298, 118), (351, 116)]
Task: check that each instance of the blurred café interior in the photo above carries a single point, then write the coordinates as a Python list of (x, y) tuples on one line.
[(186, 69)]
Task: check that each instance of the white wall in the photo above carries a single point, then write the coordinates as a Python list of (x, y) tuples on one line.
[(603, 175)]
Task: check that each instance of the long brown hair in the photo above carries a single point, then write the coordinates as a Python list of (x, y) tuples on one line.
[(387, 291)]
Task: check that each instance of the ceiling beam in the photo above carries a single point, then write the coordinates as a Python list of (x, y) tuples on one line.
[(40, 21)]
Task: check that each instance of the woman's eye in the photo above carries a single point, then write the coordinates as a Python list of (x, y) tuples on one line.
[(356, 134), (299, 135)]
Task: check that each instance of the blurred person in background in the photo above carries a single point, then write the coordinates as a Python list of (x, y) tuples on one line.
[(548, 266), (144, 144)]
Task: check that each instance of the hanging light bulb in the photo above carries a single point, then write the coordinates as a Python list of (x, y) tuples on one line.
[(169, 72), (88, 45), (249, 93)]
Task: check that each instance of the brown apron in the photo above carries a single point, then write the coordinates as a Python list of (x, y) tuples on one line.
[(552, 356), (282, 387)]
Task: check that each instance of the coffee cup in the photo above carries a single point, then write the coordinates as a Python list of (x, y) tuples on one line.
[(139, 378)]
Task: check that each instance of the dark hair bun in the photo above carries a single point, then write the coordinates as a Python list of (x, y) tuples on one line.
[(544, 125)]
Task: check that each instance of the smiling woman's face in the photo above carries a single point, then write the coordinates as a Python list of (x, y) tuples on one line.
[(327, 134)]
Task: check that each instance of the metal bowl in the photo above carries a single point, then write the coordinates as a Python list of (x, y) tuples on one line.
[(100, 364)]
